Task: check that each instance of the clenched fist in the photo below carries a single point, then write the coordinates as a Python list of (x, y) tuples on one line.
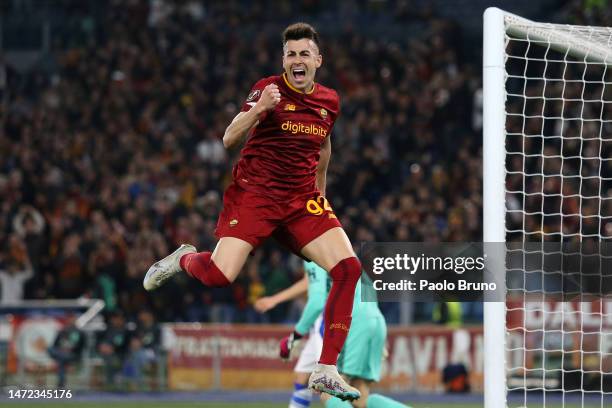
[(270, 97)]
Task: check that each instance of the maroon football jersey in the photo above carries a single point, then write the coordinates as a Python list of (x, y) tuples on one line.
[(281, 153)]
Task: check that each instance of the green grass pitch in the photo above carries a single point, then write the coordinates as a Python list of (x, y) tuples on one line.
[(148, 404)]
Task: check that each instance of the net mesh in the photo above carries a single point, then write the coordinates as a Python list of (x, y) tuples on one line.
[(558, 196)]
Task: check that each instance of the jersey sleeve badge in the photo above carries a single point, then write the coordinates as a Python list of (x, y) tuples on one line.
[(253, 95)]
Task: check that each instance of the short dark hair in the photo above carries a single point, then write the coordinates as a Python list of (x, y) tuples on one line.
[(297, 31)]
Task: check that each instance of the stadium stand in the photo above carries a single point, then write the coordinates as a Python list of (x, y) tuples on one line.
[(111, 151), (115, 140)]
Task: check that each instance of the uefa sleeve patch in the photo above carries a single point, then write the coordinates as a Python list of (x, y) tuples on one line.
[(253, 95)]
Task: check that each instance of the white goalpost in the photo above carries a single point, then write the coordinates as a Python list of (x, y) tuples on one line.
[(547, 164)]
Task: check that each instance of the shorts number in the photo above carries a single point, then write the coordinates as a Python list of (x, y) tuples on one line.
[(318, 206)]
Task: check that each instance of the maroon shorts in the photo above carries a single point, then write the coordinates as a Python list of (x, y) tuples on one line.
[(254, 217)]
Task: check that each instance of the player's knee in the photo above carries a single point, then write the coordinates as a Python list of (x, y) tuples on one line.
[(348, 269), (214, 276), (228, 267)]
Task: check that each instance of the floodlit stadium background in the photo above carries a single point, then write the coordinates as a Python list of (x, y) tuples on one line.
[(110, 156)]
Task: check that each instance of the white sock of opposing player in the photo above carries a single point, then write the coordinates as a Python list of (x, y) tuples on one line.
[(301, 397)]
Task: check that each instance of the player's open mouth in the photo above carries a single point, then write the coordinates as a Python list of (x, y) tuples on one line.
[(299, 73)]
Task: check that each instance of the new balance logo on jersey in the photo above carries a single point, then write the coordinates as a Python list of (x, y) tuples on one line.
[(297, 127)]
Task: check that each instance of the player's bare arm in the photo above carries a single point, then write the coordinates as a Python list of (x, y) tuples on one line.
[(324, 156), (269, 302), (245, 121)]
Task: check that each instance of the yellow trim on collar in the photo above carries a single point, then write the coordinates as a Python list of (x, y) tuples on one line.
[(294, 88)]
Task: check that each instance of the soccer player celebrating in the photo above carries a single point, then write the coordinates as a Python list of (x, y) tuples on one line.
[(278, 190)]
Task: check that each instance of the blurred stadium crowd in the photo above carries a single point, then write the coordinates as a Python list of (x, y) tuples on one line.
[(111, 153)]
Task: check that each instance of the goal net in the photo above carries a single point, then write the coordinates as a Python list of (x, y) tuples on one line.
[(548, 195)]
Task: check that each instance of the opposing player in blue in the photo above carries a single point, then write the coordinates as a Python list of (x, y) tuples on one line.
[(361, 358)]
